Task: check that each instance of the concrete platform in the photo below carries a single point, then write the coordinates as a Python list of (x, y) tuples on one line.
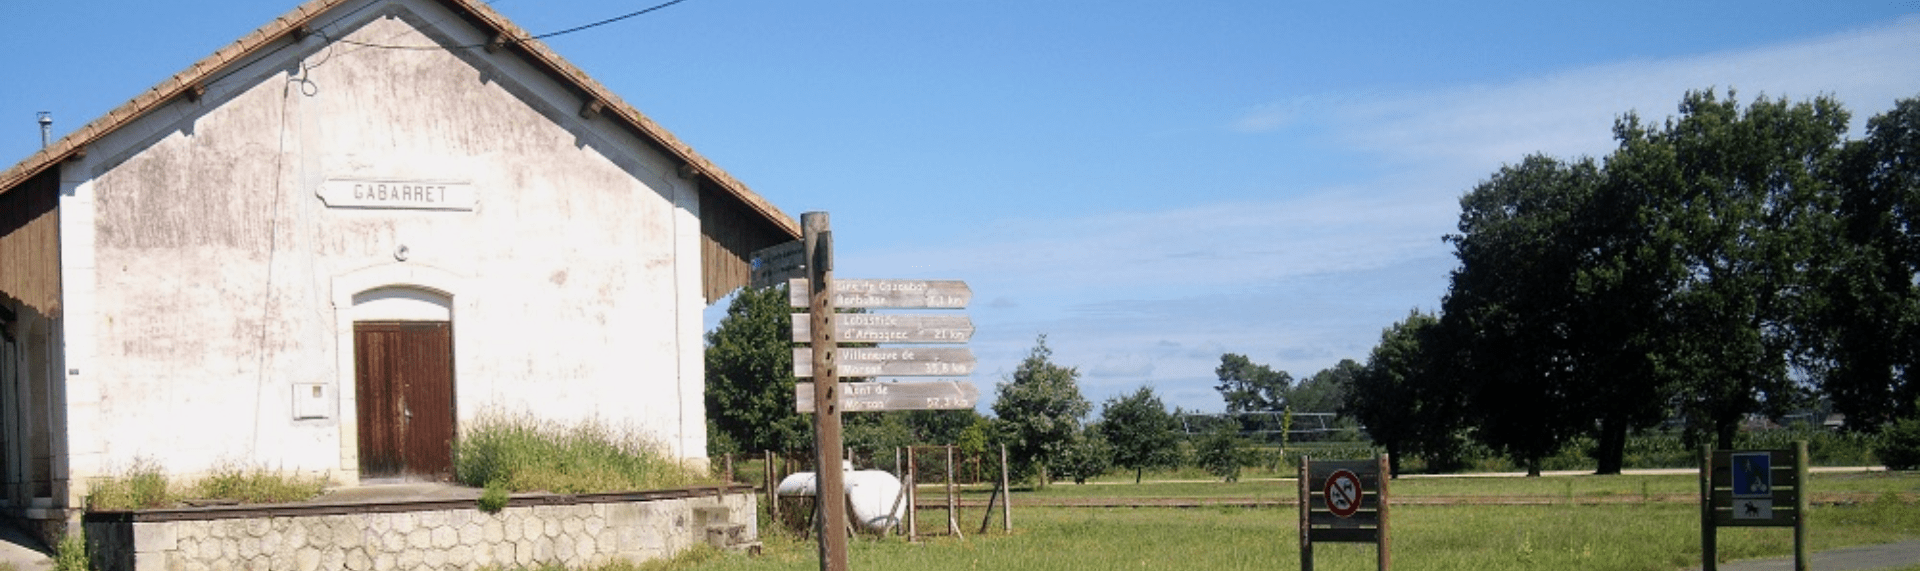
[(22, 551)]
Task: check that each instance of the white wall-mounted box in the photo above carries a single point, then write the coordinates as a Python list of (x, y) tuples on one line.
[(312, 401)]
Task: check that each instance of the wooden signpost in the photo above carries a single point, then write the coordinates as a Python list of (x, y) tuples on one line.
[(823, 329), (830, 487), (890, 328), (1343, 501), (893, 362), (890, 294), (863, 397), (779, 264), (1753, 488)]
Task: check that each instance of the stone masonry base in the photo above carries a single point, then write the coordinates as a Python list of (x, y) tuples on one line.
[(420, 535)]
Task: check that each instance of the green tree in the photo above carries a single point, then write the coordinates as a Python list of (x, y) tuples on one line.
[(940, 427), (1089, 456), (1325, 390), (1040, 409), (1404, 398), (1142, 434), (876, 434), (749, 392), (1219, 451), (977, 438), (1863, 340), (1251, 387), (1549, 309), (1738, 200)]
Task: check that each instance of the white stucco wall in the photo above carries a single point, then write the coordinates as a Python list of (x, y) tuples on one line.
[(206, 280)]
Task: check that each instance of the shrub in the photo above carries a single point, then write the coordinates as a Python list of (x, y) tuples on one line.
[(524, 454), (1899, 446), (1088, 457), (71, 553), (1219, 452), (495, 497)]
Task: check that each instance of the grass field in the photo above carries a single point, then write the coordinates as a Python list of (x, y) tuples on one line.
[(1568, 530), (1832, 487)]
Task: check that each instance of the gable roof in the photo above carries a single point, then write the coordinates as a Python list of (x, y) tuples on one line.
[(507, 36)]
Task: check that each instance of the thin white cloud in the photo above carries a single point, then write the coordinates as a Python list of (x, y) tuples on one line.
[(1570, 114), (1192, 249), (1122, 365)]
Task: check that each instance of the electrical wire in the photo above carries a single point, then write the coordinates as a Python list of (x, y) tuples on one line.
[(515, 40)]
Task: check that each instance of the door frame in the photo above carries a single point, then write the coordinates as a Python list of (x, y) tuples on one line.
[(351, 303)]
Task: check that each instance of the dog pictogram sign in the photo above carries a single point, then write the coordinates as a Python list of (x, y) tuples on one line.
[(1343, 493)]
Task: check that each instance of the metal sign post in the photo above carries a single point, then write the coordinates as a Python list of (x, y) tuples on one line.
[(1343, 501), (1753, 488)]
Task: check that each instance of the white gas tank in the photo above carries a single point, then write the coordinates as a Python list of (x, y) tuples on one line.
[(873, 496)]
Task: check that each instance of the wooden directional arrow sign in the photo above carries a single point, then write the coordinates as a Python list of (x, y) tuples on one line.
[(777, 264), (885, 328), (892, 361), (866, 397), (889, 294)]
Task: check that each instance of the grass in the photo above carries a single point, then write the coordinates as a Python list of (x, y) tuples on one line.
[(1633, 536), (1560, 487), (145, 485), (525, 454), (1649, 537)]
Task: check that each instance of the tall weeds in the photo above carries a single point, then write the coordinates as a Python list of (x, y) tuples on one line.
[(526, 454), (144, 485)]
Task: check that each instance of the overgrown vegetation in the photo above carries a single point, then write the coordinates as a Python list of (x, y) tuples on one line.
[(145, 485), (71, 553), (495, 497), (524, 454), (1899, 446), (257, 486)]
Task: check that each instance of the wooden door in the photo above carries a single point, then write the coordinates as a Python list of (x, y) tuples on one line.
[(403, 378)]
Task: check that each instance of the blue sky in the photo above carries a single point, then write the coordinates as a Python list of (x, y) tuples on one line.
[(1149, 184)]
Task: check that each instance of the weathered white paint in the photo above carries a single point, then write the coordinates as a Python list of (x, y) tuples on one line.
[(206, 279)]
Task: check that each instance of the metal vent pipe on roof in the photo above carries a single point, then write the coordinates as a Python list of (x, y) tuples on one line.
[(46, 129)]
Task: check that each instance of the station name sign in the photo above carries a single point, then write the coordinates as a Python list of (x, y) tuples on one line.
[(397, 194)]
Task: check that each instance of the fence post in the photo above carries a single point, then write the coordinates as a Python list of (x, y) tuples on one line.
[(1802, 559), (953, 504), (913, 495), (1006, 503), (1306, 525), (1709, 553), (1385, 543)]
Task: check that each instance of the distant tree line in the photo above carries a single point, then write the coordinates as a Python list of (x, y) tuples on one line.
[(1732, 260)]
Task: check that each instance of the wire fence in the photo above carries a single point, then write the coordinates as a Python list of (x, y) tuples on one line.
[(1275, 426)]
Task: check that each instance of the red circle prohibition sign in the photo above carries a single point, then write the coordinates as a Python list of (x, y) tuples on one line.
[(1343, 493)]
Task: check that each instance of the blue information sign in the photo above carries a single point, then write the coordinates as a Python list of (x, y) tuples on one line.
[(1752, 474)]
